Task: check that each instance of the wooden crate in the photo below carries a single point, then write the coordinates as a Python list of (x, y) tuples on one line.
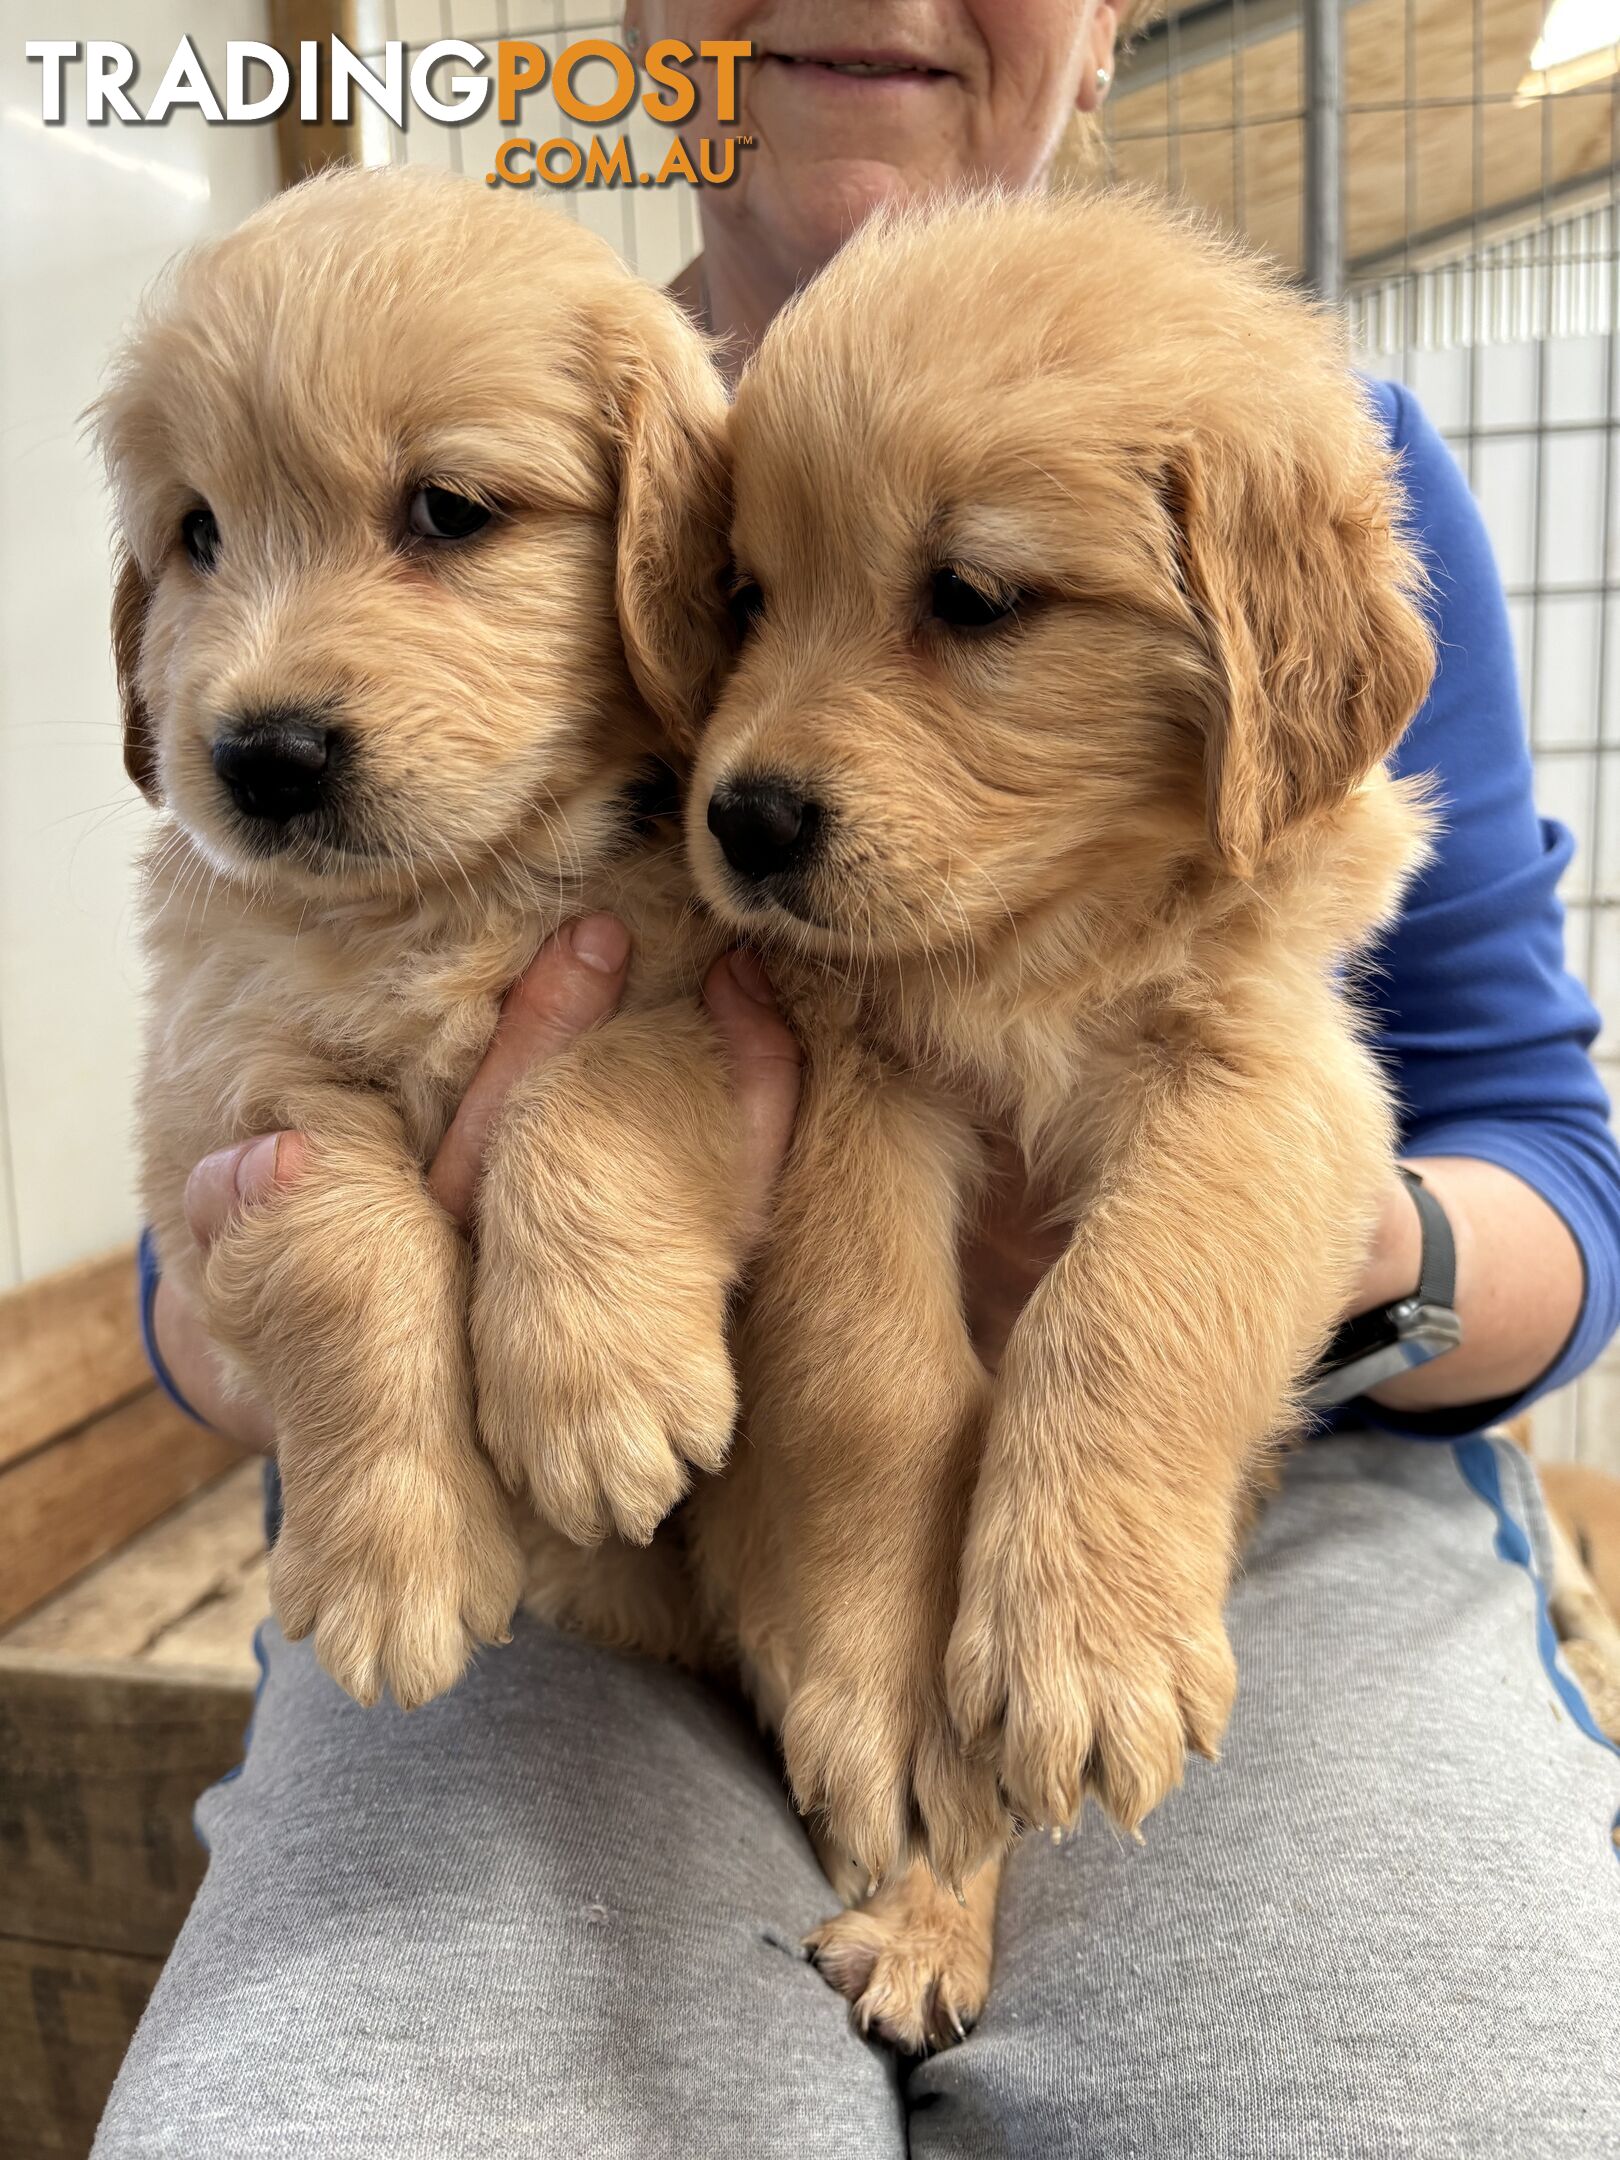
[(131, 1581)]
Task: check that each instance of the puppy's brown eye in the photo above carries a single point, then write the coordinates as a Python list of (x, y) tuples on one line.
[(438, 513), (961, 605), (200, 536), (747, 605)]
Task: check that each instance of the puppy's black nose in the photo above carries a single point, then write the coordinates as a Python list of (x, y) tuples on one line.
[(765, 826), (275, 764)]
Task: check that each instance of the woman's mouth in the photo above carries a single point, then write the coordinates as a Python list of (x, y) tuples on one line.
[(861, 69)]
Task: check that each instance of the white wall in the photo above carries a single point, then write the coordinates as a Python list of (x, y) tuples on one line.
[(90, 213)]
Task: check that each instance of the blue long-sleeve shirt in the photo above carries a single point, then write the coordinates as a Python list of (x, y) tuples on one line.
[(1484, 1030)]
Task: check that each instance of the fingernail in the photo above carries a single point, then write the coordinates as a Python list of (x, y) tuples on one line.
[(751, 978), (600, 942), (255, 1177)]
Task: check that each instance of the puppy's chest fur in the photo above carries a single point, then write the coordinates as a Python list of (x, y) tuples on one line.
[(255, 1009), (1067, 1073), (1062, 1086), (1063, 1050)]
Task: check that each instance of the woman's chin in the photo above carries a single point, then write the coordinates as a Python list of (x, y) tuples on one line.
[(822, 201)]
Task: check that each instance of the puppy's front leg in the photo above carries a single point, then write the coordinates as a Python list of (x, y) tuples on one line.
[(865, 1406), (1140, 1390), (345, 1298), (610, 1230)]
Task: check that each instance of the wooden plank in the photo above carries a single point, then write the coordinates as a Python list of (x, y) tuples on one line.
[(217, 1636), (66, 2017), (69, 1349), (129, 1603), (100, 1767), (72, 1502)]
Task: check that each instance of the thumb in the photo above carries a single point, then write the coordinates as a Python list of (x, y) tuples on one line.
[(573, 983), (767, 1068), (225, 1184)]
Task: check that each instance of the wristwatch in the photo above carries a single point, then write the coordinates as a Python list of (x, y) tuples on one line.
[(1375, 1346)]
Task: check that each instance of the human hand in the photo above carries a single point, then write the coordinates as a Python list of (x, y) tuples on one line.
[(574, 982), (1008, 1251)]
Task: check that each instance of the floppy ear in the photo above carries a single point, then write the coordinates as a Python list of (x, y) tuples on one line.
[(131, 594), (1308, 595), (672, 519)]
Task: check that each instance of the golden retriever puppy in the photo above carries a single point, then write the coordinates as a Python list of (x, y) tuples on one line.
[(419, 492), (1050, 777)]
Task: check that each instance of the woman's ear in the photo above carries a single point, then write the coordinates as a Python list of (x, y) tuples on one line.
[(131, 596), (672, 519), (1099, 58), (1308, 596)]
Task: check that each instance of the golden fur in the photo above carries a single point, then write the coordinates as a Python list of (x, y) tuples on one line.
[(364, 335), (1085, 879), (1086, 888)]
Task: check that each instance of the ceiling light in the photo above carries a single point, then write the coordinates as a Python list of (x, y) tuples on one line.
[(1579, 45)]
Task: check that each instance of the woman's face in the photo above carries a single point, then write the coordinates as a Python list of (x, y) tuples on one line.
[(856, 103)]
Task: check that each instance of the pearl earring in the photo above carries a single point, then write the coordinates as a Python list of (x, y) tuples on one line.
[(1104, 77)]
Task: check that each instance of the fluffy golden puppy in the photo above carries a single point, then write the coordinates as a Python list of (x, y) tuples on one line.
[(419, 492), (1050, 775)]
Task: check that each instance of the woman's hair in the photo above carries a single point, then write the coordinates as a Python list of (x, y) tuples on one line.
[(1082, 152)]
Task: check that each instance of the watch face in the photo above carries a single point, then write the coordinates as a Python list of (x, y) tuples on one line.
[(1379, 1346)]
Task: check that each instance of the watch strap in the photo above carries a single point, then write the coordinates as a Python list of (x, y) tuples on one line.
[(1437, 1263)]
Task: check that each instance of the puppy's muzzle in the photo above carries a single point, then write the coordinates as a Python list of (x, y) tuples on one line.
[(766, 827), (277, 765)]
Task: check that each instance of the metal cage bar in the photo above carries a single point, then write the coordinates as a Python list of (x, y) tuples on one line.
[(1323, 26)]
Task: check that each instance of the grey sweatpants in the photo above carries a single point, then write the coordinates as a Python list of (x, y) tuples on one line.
[(559, 1913)]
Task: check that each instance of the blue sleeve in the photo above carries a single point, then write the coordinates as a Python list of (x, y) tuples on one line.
[(148, 1276), (1484, 1030)]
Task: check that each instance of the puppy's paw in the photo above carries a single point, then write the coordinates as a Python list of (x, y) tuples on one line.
[(914, 1964), (401, 1589), (1095, 1681), (874, 1763), (599, 1396)]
